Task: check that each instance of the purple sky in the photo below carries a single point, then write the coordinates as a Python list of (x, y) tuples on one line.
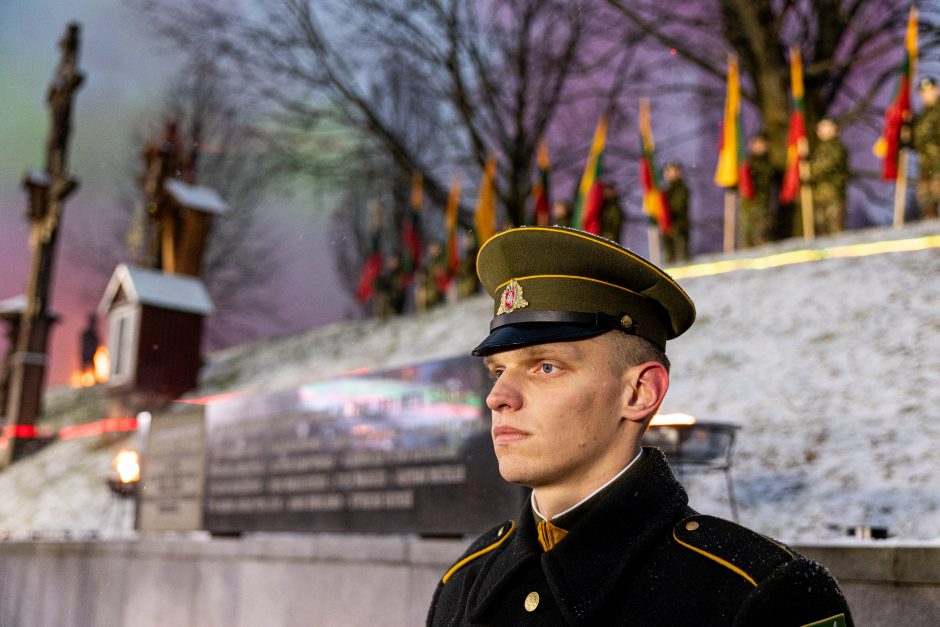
[(125, 76)]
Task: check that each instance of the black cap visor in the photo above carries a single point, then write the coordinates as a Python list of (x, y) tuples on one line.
[(512, 336)]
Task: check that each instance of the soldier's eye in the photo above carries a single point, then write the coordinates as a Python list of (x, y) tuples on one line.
[(548, 368)]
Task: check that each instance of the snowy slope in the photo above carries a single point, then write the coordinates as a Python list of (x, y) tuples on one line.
[(831, 368)]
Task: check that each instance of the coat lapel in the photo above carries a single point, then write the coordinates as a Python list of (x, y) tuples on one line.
[(610, 542), (592, 561), (498, 570)]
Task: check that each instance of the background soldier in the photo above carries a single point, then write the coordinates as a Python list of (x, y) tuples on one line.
[(467, 283), (390, 288), (434, 283), (756, 223), (561, 214), (611, 214), (676, 241), (927, 144), (829, 170)]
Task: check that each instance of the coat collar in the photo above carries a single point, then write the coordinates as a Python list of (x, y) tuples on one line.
[(587, 567)]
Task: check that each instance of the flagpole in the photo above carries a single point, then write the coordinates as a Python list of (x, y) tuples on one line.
[(900, 188), (806, 192), (730, 214), (652, 238)]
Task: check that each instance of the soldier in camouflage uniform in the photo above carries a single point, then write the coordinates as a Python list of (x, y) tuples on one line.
[(561, 214), (676, 195), (611, 214), (467, 283), (927, 144), (390, 288), (755, 226), (829, 169), (434, 281)]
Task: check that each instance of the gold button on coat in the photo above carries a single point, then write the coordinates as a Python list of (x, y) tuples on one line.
[(691, 525), (531, 601)]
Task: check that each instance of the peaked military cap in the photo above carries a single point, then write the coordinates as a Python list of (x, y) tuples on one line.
[(554, 284)]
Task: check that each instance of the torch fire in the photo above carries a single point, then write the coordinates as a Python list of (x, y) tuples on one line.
[(93, 374), (127, 464)]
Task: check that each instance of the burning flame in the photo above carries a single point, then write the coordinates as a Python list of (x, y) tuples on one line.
[(102, 364), (127, 464), (672, 420), (92, 375)]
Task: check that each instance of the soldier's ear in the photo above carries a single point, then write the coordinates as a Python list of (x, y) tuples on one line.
[(644, 389)]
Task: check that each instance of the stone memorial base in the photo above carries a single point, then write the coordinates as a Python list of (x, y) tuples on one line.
[(342, 580)]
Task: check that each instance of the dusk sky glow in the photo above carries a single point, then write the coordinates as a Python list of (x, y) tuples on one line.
[(126, 74)]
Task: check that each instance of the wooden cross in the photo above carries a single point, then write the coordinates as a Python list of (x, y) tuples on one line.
[(47, 191)]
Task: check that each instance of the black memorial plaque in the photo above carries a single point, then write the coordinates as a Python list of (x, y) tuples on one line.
[(405, 450)]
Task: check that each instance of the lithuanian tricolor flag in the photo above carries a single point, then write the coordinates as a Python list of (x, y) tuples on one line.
[(654, 204), (587, 206), (372, 267), (540, 190), (412, 236), (732, 164), (484, 220), (797, 131), (889, 144)]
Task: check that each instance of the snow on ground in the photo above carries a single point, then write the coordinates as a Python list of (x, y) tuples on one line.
[(62, 490), (831, 369)]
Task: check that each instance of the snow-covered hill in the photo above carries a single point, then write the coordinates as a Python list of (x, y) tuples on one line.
[(832, 369)]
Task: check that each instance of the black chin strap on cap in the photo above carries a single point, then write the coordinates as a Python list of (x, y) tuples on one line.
[(623, 322)]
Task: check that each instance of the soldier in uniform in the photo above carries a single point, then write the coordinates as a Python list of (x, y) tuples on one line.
[(561, 213), (434, 284), (467, 284), (611, 213), (390, 288), (926, 130), (829, 169), (676, 194), (756, 224), (576, 351)]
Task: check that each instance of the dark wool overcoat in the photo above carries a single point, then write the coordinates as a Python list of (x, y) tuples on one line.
[(638, 556)]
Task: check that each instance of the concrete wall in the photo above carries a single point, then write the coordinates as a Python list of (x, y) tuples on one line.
[(329, 580), (886, 584), (322, 580)]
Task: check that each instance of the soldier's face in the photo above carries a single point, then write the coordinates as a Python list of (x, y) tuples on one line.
[(826, 130), (928, 95), (557, 412)]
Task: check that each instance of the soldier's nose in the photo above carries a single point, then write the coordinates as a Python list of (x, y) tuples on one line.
[(504, 396)]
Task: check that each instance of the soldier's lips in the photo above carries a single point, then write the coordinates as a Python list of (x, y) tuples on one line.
[(504, 434)]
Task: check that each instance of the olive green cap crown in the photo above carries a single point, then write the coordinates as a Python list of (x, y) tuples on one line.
[(556, 283)]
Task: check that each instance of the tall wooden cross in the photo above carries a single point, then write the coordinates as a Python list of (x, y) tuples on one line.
[(47, 190)]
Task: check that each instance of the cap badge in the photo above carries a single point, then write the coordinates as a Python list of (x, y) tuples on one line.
[(511, 299)]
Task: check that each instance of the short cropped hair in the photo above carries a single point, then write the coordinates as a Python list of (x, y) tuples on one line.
[(627, 351)]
